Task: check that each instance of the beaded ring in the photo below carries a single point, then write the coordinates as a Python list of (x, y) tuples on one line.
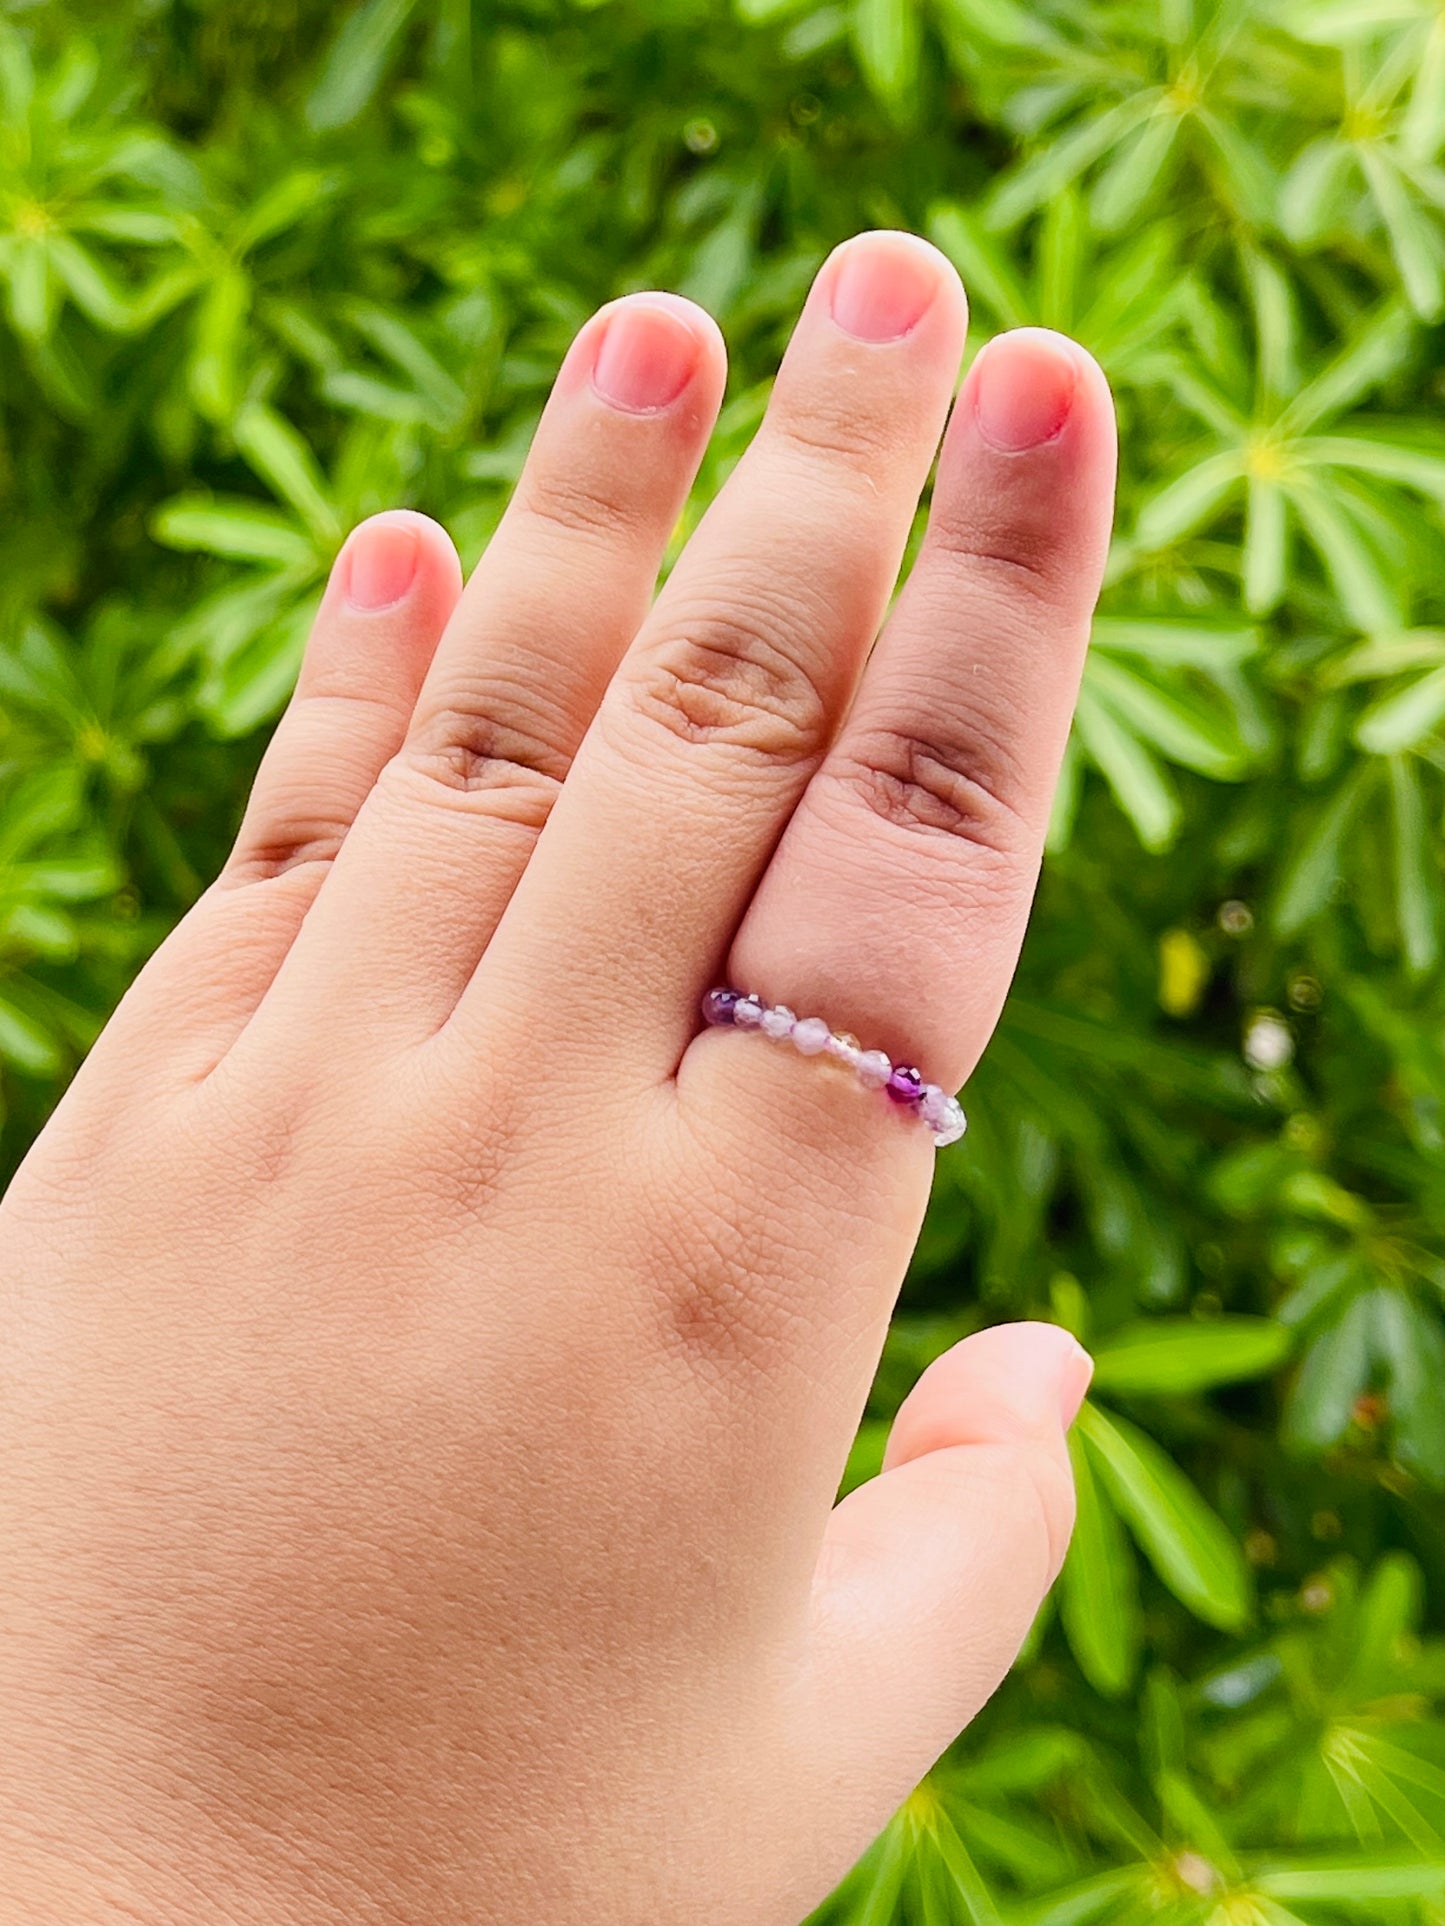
[(811, 1037)]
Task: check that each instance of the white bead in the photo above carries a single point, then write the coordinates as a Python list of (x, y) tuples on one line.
[(952, 1125), (810, 1036), (873, 1069), (843, 1050), (747, 1012), (778, 1022)]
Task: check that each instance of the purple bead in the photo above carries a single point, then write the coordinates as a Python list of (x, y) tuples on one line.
[(905, 1085), (718, 1005)]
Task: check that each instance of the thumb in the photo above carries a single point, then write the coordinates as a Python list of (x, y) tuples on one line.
[(932, 1573)]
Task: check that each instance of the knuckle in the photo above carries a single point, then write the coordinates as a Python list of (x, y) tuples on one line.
[(1021, 560), (815, 425), (936, 785), (469, 755), (297, 843), (736, 676), (577, 502)]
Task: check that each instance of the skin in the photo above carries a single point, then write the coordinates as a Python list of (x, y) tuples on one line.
[(428, 1362)]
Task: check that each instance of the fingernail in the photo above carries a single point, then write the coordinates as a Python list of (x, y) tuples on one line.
[(883, 287), (1023, 390), (381, 562), (1076, 1368), (646, 358)]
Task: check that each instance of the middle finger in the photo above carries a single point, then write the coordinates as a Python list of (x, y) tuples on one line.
[(737, 680)]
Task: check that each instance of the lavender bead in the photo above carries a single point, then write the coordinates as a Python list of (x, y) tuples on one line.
[(873, 1069), (778, 1022), (718, 1006), (810, 1036), (953, 1125), (844, 1048), (748, 1012), (931, 1102), (904, 1085)]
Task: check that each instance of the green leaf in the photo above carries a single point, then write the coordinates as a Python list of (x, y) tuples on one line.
[(1188, 1545), (1368, 594), (214, 371), (1413, 1351), (1174, 721), (888, 38), (29, 294), (1140, 787), (973, 1896), (1098, 1588), (91, 288), (988, 274), (1189, 501), (238, 529), (1418, 244), (1061, 162), (283, 461), (1423, 132), (1371, 454), (1333, 1376), (359, 56), (865, 1459), (1417, 874), (1264, 546), (1168, 1357), (17, 74), (1404, 718), (761, 12), (1376, 352), (1310, 877), (1389, 1611), (1134, 171), (25, 1045), (1353, 1880), (1312, 193), (1209, 646), (293, 199)]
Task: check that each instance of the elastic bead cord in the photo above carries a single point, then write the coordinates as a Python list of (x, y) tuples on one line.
[(811, 1037)]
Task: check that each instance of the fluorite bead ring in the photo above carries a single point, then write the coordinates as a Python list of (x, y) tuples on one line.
[(812, 1037)]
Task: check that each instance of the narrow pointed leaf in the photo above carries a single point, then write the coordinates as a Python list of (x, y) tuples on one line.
[(1417, 873), (1098, 1587), (1140, 786), (1187, 1543), (1175, 1356)]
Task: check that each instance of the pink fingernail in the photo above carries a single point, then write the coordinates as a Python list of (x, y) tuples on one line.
[(381, 560), (1075, 1373), (646, 358), (1024, 386), (883, 286)]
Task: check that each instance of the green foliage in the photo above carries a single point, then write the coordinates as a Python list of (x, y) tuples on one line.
[(265, 268)]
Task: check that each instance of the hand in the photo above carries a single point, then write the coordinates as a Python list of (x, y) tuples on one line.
[(428, 1362)]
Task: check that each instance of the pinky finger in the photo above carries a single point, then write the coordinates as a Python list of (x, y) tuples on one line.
[(392, 589)]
